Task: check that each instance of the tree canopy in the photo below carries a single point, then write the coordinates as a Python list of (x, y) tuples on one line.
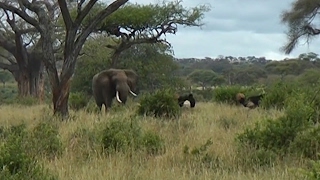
[(137, 24), (300, 20)]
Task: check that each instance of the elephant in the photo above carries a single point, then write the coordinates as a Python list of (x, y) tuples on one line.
[(111, 83), (189, 97)]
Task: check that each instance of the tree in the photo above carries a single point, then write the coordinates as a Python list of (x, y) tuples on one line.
[(19, 55), (128, 30), (247, 75), (299, 19), (310, 56), (206, 78), (154, 63), (5, 76), (75, 37), (81, 23), (94, 60)]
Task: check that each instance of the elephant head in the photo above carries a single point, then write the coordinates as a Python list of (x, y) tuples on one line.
[(118, 83), (124, 82)]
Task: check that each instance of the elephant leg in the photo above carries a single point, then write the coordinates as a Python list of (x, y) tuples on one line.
[(99, 106), (107, 103)]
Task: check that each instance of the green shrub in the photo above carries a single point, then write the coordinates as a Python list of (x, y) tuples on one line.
[(228, 94), (77, 100), (312, 173), (16, 163), (152, 142), (278, 134), (277, 94), (307, 143), (85, 142), (161, 103), (249, 157), (45, 140), (121, 136)]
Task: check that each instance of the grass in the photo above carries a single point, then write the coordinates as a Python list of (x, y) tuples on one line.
[(219, 122)]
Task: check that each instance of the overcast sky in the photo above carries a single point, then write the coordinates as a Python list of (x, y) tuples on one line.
[(236, 28)]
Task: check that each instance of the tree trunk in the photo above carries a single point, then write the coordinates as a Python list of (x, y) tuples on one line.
[(60, 99), (36, 79), (30, 84), (23, 84), (115, 58)]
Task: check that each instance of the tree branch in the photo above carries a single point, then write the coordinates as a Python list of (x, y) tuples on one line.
[(20, 13), (65, 14), (83, 13), (9, 67)]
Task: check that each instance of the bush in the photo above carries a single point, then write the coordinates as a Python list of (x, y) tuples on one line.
[(77, 100), (277, 135), (228, 94), (312, 173), (307, 143), (44, 140), (85, 142), (249, 157), (276, 95), (161, 103), (121, 136), (16, 163)]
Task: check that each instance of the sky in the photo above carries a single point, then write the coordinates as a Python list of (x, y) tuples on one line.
[(236, 28)]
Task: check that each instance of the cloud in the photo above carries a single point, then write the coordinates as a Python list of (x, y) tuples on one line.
[(236, 28)]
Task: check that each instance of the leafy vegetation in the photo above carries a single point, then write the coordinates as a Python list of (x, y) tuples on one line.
[(161, 103)]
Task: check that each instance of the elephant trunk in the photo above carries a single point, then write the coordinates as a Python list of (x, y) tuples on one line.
[(122, 91)]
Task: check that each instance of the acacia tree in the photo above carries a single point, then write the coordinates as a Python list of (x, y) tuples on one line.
[(299, 20), (75, 37), (127, 30)]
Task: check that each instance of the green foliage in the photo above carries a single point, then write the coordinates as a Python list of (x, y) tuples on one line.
[(161, 103), (307, 143), (143, 17), (277, 135), (5, 76), (77, 100), (45, 140), (8, 94), (155, 65), (125, 135), (312, 173), (15, 161), (25, 101), (248, 75), (227, 94), (206, 78), (86, 142), (309, 78), (251, 158), (95, 60), (277, 94)]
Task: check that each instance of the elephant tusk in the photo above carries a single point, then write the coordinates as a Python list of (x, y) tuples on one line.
[(117, 96), (134, 94)]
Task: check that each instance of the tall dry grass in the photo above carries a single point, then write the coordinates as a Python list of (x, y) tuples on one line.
[(221, 123)]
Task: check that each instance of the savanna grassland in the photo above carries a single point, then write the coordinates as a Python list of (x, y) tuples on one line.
[(82, 158)]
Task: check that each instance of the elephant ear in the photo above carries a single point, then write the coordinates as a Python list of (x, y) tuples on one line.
[(132, 77)]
